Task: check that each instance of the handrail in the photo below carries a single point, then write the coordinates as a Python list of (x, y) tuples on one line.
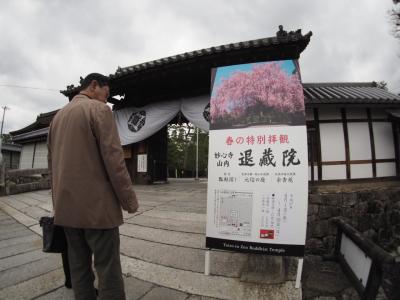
[(376, 254)]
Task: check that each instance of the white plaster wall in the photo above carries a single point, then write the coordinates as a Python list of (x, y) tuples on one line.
[(315, 173), (356, 113), (25, 161), (332, 142), (359, 141), (333, 172), (40, 156), (329, 113), (361, 171), (385, 169), (383, 136)]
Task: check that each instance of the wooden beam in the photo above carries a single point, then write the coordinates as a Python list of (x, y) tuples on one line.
[(395, 129), (346, 143), (318, 137), (372, 142)]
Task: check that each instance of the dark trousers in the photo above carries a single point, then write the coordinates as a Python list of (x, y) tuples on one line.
[(104, 245), (67, 272)]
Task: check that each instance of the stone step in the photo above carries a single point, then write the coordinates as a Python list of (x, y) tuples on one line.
[(23, 258), (15, 203), (184, 216), (18, 240), (35, 212), (61, 293), (164, 293), (34, 287), (17, 215), (48, 207), (222, 263), (11, 228), (135, 289), (209, 286), (20, 248), (181, 208), (14, 234), (37, 229), (25, 199), (29, 270), (40, 196), (168, 224), (162, 236), (6, 222), (141, 209)]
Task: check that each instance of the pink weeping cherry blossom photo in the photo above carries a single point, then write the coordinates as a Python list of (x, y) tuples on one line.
[(257, 94)]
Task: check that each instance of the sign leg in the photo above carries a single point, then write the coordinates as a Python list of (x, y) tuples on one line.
[(207, 263), (299, 270)]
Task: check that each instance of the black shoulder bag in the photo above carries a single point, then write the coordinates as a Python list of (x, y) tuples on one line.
[(54, 240)]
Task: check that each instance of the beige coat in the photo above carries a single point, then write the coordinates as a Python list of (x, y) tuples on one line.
[(90, 182)]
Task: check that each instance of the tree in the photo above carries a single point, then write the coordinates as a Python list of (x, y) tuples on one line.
[(182, 150), (395, 15), (265, 89), (6, 138), (203, 154)]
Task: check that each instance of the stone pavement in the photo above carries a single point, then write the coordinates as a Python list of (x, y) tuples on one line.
[(162, 253)]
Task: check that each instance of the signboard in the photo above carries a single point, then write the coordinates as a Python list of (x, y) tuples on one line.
[(142, 163), (258, 169)]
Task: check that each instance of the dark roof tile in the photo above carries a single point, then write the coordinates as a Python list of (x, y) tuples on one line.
[(348, 93), (282, 37)]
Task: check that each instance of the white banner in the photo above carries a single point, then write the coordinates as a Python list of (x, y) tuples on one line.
[(138, 123), (197, 111)]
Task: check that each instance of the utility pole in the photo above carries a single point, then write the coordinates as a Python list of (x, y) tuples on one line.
[(2, 121), (2, 168), (197, 153)]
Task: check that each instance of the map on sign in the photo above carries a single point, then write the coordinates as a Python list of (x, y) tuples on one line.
[(233, 212)]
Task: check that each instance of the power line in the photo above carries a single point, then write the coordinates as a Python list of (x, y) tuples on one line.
[(27, 87)]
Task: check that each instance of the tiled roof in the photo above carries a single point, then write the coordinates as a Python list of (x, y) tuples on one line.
[(11, 147), (40, 133), (281, 38), (284, 44), (42, 121), (348, 93)]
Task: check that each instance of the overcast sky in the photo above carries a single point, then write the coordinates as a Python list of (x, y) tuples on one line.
[(49, 44)]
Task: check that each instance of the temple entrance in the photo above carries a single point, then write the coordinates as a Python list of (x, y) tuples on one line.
[(172, 152)]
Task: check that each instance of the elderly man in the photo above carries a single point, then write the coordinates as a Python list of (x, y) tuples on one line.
[(90, 184)]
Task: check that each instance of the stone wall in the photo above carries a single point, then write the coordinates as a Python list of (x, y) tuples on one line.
[(42, 184), (371, 208), (22, 181)]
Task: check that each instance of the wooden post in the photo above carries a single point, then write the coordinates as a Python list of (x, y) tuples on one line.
[(299, 271)]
